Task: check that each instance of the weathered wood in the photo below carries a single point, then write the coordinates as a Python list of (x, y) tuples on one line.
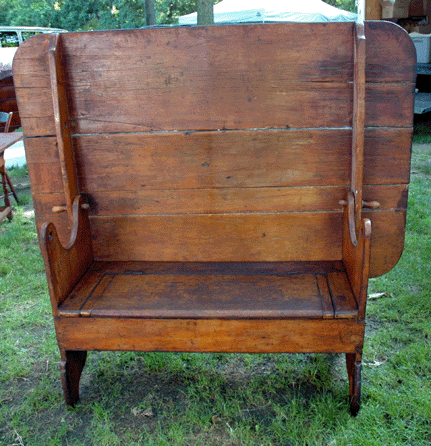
[(61, 119), (106, 203), (358, 124), (356, 257), (138, 153), (231, 237), (262, 89), (208, 161), (71, 365), (65, 266), (211, 335), (216, 163), (354, 365), (244, 294)]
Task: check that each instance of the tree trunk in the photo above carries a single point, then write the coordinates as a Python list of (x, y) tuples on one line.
[(150, 12), (205, 9)]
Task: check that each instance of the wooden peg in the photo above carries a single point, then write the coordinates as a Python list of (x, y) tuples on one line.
[(365, 204), (59, 209), (370, 204)]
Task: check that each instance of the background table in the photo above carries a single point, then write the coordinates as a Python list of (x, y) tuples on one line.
[(7, 140)]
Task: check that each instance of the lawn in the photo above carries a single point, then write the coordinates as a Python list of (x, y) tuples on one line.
[(221, 399)]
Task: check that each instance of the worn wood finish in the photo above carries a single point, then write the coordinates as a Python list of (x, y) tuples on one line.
[(210, 335), (105, 203), (358, 123), (354, 367), (237, 290), (356, 258), (71, 365), (65, 266), (221, 167), (268, 84), (199, 173), (62, 123)]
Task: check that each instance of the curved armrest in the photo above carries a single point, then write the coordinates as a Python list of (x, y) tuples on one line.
[(66, 265), (356, 256)]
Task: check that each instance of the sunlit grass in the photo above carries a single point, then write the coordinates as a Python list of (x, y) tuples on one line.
[(220, 399)]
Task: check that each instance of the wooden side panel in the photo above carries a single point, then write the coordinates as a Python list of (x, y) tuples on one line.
[(65, 266)]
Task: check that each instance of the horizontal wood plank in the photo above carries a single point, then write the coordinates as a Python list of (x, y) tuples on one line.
[(139, 162), (214, 290), (190, 79), (210, 335), (303, 106), (203, 296), (224, 201), (281, 242), (234, 159)]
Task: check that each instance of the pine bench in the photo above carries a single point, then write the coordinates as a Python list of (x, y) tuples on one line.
[(215, 187)]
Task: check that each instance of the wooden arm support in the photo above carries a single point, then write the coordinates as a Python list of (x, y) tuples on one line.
[(66, 265), (356, 256)]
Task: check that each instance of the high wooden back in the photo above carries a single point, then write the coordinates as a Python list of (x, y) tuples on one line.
[(224, 143)]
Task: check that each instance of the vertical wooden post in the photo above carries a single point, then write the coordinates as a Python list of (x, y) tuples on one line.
[(62, 123), (358, 124)]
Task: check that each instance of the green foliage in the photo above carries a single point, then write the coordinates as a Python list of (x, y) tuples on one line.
[(168, 11), (29, 13), (76, 15), (347, 5)]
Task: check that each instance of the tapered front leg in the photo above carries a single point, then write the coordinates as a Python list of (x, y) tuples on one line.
[(354, 364), (72, 363)]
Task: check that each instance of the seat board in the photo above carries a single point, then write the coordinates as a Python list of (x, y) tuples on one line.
[(202, 292)]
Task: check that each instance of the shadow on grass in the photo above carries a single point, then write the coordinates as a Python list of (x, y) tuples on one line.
[(187, 399)]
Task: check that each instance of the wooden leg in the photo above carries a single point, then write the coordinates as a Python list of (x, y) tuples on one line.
[(7, 204), (9, 182), (72, 363), (354, 362)]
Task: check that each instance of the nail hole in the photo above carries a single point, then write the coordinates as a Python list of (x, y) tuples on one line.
[(50, 236)]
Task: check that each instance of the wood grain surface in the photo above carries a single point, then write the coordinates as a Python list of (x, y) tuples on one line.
[(222, 121), (210, 335), (217, 163), (240, 290)]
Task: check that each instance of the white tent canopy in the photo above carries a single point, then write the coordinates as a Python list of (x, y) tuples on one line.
[(243, 11)]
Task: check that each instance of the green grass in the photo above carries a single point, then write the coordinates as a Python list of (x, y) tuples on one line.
[(422, 129), (220, 399)]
